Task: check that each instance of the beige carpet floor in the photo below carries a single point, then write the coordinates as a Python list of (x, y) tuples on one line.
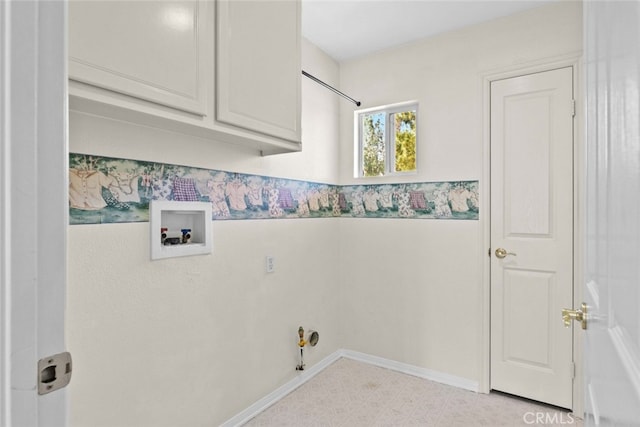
[(353, 394)]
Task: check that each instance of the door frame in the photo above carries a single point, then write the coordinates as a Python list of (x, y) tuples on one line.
[(33, 206), (570, 60)]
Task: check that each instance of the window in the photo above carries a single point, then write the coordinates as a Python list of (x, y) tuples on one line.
[(387, 140)]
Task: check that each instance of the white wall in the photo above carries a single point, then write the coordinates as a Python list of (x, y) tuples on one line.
[(413, 288), (192, 341)]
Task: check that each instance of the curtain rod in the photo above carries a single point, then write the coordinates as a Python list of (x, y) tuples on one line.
[(320, 82)]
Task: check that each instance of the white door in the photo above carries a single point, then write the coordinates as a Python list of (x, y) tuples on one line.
[(532, 221), (612, 267), (33, 208)]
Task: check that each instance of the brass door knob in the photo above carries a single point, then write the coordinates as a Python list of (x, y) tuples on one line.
[(501, 253), (580, 315)]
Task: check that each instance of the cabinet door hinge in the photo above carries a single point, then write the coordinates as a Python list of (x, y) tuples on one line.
[(573, 108)]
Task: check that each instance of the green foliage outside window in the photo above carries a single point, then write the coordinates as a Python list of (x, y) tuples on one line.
[(373, 147), (377, 152), (405, 127)]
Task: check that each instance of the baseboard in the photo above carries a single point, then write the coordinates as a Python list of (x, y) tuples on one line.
[(273, 397), (416, 371), (304, 376)]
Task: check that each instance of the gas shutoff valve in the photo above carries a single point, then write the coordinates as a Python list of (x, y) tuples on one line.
[(312, 340)]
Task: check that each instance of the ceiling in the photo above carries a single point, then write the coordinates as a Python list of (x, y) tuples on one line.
[(346, 29)]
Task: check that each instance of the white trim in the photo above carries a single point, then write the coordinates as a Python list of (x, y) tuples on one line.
[(416, 371), (579, 227), (5, 218), (34, 207), (569, 60), (273, 397)]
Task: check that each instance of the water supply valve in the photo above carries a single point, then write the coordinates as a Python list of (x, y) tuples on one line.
[(312, 340)]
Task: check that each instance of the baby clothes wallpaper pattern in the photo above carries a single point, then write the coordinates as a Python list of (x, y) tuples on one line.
[(110, 190)]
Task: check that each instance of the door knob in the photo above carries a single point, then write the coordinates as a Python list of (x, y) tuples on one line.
[(501, 253), (580, 315)]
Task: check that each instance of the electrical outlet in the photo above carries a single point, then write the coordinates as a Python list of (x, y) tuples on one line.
[(271, 265)]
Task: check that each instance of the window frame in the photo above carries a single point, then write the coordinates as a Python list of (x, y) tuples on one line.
[(389, 138)]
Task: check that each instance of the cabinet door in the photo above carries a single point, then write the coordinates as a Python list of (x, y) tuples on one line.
[(150, 50), (258, 66)]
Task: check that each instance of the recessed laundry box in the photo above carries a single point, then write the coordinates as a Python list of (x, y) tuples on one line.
[(180, 228)]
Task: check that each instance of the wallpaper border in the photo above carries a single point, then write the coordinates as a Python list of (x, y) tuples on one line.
[(105, 190)]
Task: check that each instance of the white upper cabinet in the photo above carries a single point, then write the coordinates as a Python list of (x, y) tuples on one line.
[(151, 50), (258, 66), (224, 70)]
